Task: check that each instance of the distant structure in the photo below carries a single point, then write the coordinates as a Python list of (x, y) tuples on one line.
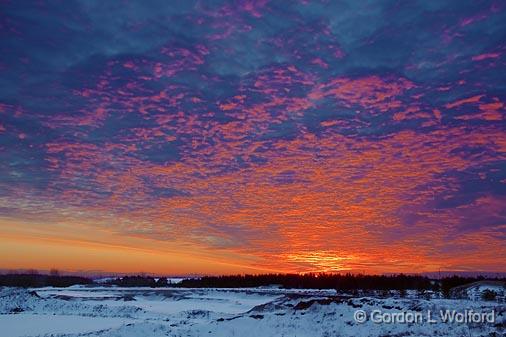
[(481, 290)]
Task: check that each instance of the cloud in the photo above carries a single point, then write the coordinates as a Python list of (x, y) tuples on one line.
[(302, 136)]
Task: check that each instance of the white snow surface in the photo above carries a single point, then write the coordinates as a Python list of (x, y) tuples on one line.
[(146, 312), (40, 324)]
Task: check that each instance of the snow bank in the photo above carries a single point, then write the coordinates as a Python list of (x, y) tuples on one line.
[(127, 312)]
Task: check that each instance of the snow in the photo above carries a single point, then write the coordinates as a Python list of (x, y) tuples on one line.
[(130, 312), (175, 280), (104, 279), (226, 303), (476, 290), (171, 280), (32, 325)]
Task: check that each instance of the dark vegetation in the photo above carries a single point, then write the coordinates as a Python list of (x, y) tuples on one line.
[(36, 280), (448, 283), (488, 295), (348, 282), (139, 281)]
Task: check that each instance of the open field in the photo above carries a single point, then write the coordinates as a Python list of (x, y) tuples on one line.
[(129, 312)]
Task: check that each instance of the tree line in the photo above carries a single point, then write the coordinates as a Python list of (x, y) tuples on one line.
[(345, 282), (340, 282), (40, 280)]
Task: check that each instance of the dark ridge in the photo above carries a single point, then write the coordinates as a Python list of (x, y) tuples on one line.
[(38, 280), (348, 282), (139, 281), (314, 281), (354, 284)]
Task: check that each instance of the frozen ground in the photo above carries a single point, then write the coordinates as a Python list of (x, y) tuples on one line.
[(145, 312)]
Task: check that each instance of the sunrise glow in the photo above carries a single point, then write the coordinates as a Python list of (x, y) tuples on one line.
[(253, 137)]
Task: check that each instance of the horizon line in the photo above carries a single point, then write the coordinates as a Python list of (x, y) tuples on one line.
[(102, 273)]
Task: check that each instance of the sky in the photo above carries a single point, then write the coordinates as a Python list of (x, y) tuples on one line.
[(218, 137)]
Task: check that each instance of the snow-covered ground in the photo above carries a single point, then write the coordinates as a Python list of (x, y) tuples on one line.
[(145, 312)]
